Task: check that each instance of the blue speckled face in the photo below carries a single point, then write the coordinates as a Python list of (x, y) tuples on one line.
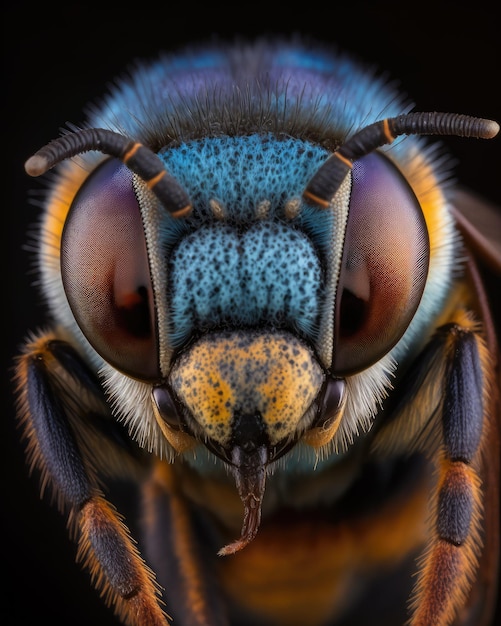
[(225, 276), (248, 260)]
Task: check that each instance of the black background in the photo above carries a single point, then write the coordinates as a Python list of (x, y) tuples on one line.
[(56, 60)]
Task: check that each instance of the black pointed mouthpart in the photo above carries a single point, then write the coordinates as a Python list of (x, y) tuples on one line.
[(249, 468)]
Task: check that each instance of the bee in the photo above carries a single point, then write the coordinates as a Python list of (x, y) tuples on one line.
[(267, 314)]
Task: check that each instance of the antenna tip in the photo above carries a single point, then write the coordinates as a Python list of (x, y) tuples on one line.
[(491, 129), (36, 165)]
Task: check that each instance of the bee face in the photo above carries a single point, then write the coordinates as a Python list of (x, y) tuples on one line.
[(257, 304)]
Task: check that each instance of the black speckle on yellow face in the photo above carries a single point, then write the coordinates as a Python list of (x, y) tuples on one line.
[(270, 374)]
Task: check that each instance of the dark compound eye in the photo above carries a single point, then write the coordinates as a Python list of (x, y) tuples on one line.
[(385, 265), (105, 271)]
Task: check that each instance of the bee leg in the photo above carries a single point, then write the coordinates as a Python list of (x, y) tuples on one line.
[(450, 563), (105, 546), (181, 548)]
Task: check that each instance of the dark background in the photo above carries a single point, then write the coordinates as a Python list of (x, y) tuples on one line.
[(56, 60)]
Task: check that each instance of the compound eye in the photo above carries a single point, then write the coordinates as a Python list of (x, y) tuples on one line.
[(385, 265), (105, 272)]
